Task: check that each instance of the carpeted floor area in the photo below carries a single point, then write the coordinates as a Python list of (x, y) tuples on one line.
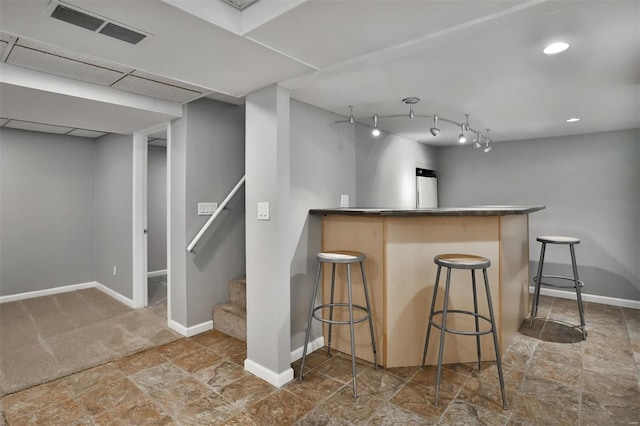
[(48, 337)]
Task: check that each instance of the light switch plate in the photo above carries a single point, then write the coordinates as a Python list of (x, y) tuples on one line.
[(344, 200), (263, 211), (206, 209)]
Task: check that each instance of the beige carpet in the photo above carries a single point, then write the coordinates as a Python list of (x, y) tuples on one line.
[(52, 336)]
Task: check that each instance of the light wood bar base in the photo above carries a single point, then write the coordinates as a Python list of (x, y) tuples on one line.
[(401, 274)]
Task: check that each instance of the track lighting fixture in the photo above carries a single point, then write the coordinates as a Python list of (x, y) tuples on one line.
[(465, 127), (375, 132), (434, 130)]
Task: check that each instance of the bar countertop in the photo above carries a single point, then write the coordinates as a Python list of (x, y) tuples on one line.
[(491, 210)]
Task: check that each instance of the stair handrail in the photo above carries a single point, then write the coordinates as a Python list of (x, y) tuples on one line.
[(215, 214)]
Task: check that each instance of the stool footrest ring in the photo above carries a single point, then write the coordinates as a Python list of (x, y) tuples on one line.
[(558, 277), (345, 305), (462, 332)]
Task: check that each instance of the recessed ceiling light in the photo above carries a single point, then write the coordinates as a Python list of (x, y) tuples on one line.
[(572, 119), (557, 47)]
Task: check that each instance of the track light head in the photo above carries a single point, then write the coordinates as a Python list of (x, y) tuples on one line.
[(488, 139), (434, 130), (477, 140), (375, 132), (461, 136)]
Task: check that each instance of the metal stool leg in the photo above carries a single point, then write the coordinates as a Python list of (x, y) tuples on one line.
[(442, 333), (433, 303), (333, 281), (495, 340), (475, 310), (578, 291), (536, 293), (366, 297), (351, 329), (313, 304)]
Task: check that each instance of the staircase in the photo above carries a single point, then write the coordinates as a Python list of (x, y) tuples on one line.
[(231, 318)]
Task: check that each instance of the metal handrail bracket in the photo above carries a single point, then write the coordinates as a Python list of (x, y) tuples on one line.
[(215, 214)]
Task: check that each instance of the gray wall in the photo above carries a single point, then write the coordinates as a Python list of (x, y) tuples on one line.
[(386, 169), (177, 241), (215, 163), (113, 213), (157, 208), (323, 155), (268, 251), (206, 161), (590, 186), (46, 211)]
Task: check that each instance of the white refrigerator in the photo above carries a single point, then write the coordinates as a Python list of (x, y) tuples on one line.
[(426, 189)]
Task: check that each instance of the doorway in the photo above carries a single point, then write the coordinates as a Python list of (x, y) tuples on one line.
[(156, 200), (151, 223)]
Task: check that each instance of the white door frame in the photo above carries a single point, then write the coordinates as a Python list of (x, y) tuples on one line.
[(139, 223)]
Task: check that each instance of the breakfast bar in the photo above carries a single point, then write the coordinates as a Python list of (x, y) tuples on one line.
[(400, 245)]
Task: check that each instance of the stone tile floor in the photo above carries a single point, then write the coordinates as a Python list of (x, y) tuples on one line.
[(551, 375)]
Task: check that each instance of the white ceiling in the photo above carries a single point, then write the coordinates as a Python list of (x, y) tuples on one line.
[(482, 58)]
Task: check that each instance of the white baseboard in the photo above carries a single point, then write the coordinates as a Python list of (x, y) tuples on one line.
[(46, 292), (157, 273), (115, 294), (313, 345), (67, 288), (277, 380), (190, 331), (593, 298)]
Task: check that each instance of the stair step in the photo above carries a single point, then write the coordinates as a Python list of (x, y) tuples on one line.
[(238, 291), (231, 319)]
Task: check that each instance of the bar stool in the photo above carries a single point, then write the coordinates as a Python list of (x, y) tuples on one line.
[(577, 284), (334, 258), (470, 262)]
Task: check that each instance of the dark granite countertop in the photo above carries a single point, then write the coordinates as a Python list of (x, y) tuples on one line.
[(493, 210)]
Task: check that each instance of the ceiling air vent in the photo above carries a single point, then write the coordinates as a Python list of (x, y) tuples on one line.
[(122, 33), (96, 23), (240, 4), (78, 18)]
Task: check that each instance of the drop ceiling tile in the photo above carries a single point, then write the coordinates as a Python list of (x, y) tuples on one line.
[(3, 46), (86, 133), (3, 121), (57, 65), (169, 81), (146, 87), (71, 54), (37, 127), (5, 36)]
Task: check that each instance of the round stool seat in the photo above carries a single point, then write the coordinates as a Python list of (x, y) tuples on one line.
[(556, 239), (462, 261), (340, 256)]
